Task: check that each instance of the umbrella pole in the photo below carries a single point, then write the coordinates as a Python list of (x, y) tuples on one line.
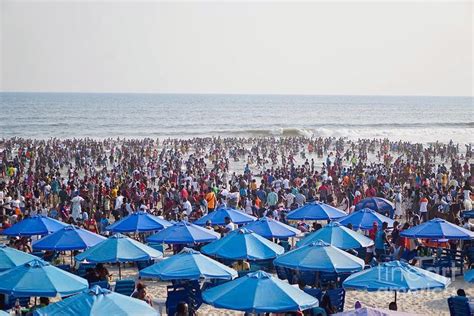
[(120, 272), (395, 297)]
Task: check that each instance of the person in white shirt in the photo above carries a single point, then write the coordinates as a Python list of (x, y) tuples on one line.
[(76, 206), (229, 226), (187, 207)]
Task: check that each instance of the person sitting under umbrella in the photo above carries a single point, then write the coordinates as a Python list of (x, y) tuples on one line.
[(241, 265), (141, 294)]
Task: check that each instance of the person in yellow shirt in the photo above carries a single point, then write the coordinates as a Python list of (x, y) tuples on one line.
[(211, 200)]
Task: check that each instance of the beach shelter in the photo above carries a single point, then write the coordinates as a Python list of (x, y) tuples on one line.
[(11, 257), (469, 276), (259, 292), (218, 217), (189, 264), (320, 257), (396, 276), (243, 244), (34, 225), (98, 301), (138, 222), (370, 311), (68, 238), (184, 233), (271, 228), (338, 236), (39, 278), (316, 211), (438, 229), (364, 219), (377, 204)]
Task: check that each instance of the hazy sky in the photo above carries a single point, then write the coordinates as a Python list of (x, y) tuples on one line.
[(409, 48)]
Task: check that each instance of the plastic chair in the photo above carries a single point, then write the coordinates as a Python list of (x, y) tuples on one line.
[(102, 284), (459, 306), (156, 246), (337, 298), (308, 277), (125, 287), (318, 293)]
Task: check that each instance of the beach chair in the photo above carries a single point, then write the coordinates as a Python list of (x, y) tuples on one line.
[(125, 287), (102, 284), (281, 273), (337, 298), (156, 246), (174, 296), (326, 279), (308, 277), (459, 306), (81, 270), (317, 293), (470, 257)]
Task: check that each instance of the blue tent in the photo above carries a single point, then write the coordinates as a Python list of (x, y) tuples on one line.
[(39, 278), (98, 301), (10, 257), (338, 236), (218, 217), (378, 204), (119, 248), (438, 229), (396, 276), (316, 211), (68, 238), (138, 222), (259, 292), (469, 276), (34, 225), (243, 244), (184, 233), (188, 265), (270, 228), (364, 219), (320, 256)]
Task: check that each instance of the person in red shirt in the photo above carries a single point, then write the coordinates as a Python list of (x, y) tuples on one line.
[(370, 192)]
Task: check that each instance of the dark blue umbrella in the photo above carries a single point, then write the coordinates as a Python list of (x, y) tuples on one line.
[(270, 228), (138, 222), (438, 229), (378, 204), (34, 225), (316, 211), (364, 219), (10, 257), (218, 217), (68, 238), (184, 233)]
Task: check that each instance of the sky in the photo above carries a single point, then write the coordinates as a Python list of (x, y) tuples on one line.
[(350, 48)]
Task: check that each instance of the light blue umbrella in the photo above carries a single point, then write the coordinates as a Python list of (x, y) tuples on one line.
[(469, 276), (438, 229), (2, 313), (68, 238), (259, 292), (34, 225), (243, 244), (98, 301), (138, 222), (338, 236), (188, 265), (364, 219), (320, 257), (316, 211), (270, 228), (10, 257), (396, 276), (378, 204), (39, 278), (184, 233), (218, 217)]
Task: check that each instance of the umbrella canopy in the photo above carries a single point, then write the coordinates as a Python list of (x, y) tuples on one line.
[(338, 236), (270, 228), (3, 313), (188, 265), (138, 222), (259, 292), (369, 311), (68, 238), (469, 276), (119, 248), (218, 217), (375, 203), (243, 244), (316, 211), (10, 257), (39, 278), (437, 229), (320, 256), (34, 225), (364, 219), (184, 233), (98, 301)]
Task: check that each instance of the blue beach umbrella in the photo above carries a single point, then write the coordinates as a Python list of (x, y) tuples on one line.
[(469, 276), (320, 257), (184, 233), (377, 204), (3, 313), (316, 211), (259, 292), (270, 228), (218, 217), (338, 236), (68, 238), (10, 257), (438, 229), (364, 219), (188, 265), (243, 244), (34, 225), (138, 222), (98, 301), (396, 276), (39, 278)]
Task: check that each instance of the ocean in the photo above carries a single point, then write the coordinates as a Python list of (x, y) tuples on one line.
[(97, 115)]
